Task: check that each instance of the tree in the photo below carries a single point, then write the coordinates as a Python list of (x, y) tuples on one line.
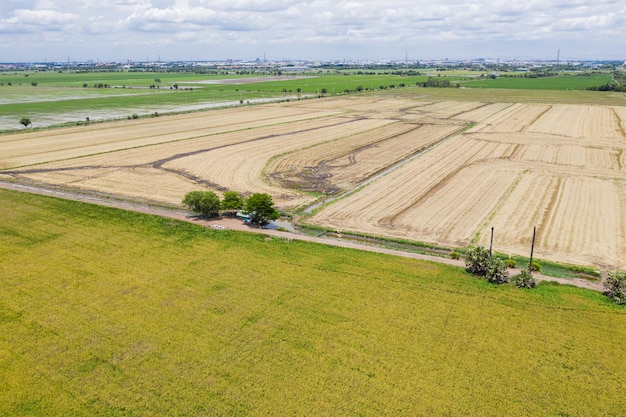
[(476, 260), (497, 272), (261, 209), (25, 121), (231, 201), (615, 286), (207, 203)]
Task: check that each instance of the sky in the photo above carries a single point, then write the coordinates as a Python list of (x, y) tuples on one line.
[(200, 30)]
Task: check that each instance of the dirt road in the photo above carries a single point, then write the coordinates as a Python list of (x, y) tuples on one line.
[(234, 224)]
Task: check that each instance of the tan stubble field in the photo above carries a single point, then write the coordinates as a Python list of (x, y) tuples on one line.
[(557, 167)]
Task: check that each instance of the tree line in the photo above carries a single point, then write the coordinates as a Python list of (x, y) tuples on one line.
[(259, 206)]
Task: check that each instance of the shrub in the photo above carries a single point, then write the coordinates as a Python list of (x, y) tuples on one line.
[(615, 286), (510, 263), (497, 272), (476, 260), (536, 266), (455, 255), (25, 121), (524, 279)]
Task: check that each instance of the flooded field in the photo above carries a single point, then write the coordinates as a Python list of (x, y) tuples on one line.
[(78, 114)]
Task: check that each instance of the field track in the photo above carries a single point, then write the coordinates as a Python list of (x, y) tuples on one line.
[(234, 224)]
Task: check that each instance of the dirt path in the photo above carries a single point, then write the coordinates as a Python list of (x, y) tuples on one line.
[(234, 224)]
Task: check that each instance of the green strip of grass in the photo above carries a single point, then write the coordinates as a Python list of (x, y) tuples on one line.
[(564, 82), (108, 312)]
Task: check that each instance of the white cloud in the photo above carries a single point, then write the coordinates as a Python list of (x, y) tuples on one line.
[(303, 25), (42, 17)]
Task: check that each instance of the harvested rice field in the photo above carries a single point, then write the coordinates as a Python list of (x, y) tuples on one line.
[(435, 171), (559, 168)]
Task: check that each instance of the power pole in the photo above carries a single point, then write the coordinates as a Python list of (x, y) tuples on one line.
[(532, 249)]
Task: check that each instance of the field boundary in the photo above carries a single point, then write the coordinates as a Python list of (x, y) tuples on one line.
[(234, 224)]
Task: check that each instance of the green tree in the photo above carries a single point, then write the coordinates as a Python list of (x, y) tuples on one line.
[(207, 203), (615, 286), (261, 209), (232, 201), (25, 121), (476, 260), (497, 271)]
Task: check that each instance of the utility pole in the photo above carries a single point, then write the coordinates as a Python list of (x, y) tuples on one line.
[(532, 249)]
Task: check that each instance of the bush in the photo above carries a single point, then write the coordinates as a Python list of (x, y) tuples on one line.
[(497, 272), (524, 279), (615, 286), (476, 260), (510, 263), (25, 121), (536, 266), (455, 255)]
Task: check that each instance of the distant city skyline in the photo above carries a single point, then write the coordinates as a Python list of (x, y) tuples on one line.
[(200, 30)]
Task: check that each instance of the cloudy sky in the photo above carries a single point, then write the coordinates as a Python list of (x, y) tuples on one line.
[(107, 30)]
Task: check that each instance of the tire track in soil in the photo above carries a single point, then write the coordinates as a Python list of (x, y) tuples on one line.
[(158, 164), (318, 176), (435, 187), (528, 126), (554, 198), (620, 123)]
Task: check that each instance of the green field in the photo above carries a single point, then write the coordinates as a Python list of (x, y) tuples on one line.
[(108, 312), (563, 82), (59, 98)]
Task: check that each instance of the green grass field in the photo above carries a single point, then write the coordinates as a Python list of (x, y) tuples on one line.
[(563, 82), (62, 95), (60, 98), (108, 312)]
